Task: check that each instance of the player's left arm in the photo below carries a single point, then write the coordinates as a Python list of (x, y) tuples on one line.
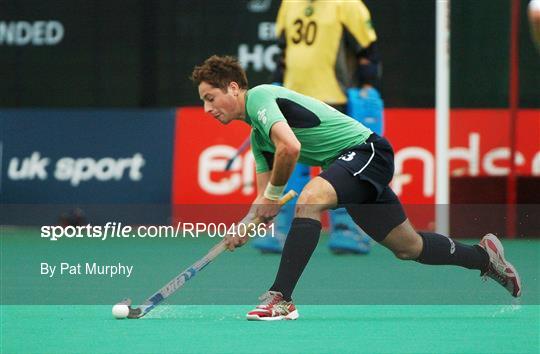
[(362, 39), (279, 72), (368, 68), (278, 76)]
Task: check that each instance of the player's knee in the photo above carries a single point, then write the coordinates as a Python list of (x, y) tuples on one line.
[(309, 196), (405, 255), (317, 196), (404, 242), (309, 202), (409, 251)]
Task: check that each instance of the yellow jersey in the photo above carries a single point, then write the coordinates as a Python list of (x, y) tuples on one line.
[(317, 35)]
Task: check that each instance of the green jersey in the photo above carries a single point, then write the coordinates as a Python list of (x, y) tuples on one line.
[(322, 130)]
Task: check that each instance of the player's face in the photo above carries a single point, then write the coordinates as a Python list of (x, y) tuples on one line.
[(222, 105)]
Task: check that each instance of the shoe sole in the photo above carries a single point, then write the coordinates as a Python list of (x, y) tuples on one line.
[(497, 248), (291, 316)]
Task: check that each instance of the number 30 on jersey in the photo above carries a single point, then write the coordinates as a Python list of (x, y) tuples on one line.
[(304, 32)]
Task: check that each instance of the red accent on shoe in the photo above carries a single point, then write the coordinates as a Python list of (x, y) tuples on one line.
[(499, 269), (273, 308)]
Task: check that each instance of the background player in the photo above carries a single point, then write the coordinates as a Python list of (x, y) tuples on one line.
[(358, 166), (534, 21), (327, 46)]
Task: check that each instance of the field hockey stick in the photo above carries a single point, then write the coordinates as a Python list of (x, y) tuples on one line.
[(239, 151), (179, 281)]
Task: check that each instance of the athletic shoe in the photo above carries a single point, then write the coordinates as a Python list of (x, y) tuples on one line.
[(269, 243), (273, 308), (499, 269), (344, 240)]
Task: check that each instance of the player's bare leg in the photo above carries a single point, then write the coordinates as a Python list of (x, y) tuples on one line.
[(318, 195), (404, 242), (434, 249)]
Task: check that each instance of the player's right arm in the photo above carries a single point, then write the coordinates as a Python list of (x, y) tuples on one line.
[(273, 169), (287, 151), (274, 146)]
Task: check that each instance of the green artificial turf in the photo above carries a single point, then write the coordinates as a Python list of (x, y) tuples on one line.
[(370, 304)]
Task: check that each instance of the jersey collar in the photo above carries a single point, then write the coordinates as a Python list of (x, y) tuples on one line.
[(247, 118)]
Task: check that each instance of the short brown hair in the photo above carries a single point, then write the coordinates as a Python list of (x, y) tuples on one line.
[(219, 71)]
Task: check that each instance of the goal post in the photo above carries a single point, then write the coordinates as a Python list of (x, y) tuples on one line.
[(442, 117)]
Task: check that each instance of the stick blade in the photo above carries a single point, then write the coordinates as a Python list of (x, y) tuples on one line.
[(134, 313)]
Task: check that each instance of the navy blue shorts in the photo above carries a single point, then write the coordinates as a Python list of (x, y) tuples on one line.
[(367, 166)]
